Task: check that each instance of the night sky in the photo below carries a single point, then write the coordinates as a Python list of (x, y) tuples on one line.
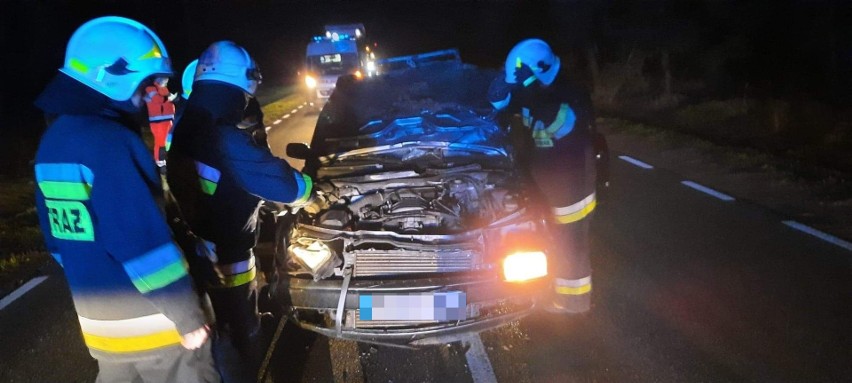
[(784, 49)]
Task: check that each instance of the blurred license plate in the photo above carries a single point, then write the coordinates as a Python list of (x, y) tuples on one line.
[(442, 306)]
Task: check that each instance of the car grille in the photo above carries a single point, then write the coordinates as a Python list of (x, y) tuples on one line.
[(397, 262)]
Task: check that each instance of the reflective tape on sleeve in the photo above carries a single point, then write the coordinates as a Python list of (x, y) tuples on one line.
[(575, 212), (573, 286), (499, 105), (208, 177), (306, 185), (157, 268), (65, 181), (162, 117)]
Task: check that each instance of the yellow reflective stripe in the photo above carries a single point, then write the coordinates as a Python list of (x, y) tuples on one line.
[(575, 212), (239, 279), (133, 343), (573, 286), (153, 53), (566, 290), (559, 121), (236, 268), (122, 328), (77, 191), (78, 66)]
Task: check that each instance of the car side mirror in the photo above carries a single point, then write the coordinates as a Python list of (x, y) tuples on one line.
[(299, 151)]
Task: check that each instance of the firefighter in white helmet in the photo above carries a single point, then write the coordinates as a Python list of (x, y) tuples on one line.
[(219, 176), (557, 119), (98, 202)]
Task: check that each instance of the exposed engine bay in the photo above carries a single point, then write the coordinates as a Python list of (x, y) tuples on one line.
[(450, 201)]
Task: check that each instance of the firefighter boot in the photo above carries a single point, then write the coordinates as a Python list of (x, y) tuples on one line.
[(570, 296)]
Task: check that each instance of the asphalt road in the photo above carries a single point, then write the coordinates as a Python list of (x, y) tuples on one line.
[(687, 287)]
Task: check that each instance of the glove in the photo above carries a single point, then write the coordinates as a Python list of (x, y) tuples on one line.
[(524, 75), (316, 203), (172, 96)]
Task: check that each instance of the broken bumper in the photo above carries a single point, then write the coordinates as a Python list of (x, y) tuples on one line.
[(490, 303)]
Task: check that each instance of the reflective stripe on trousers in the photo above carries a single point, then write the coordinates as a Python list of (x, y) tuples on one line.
[(237, 274), (575, 212), (573, 286), (231, 274), (129, 335)]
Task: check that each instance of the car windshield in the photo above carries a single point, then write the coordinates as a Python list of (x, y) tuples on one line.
[(333, 64)]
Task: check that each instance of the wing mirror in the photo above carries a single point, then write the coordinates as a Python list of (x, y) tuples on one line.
[(299, 151)]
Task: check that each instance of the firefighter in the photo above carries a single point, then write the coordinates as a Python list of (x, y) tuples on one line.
[(219, 177), (556, 119), (161, 115), (98, 201)]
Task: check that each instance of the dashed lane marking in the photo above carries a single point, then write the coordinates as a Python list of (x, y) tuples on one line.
[(636, 162), (706, 190), (31, 284), (477, 361), (301, 106), (276, 122), (286, 116), (821, 235), (294, 110)]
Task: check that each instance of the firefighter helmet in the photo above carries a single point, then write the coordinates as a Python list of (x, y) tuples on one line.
[(114, 55), (538, 56), (188, 77), (227, 62)]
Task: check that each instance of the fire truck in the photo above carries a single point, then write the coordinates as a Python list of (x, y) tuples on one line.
[(339, 52)]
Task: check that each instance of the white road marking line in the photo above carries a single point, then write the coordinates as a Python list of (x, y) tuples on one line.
[(706, 190), (276, 122), (301, 106), (477, 361), (821, 235), (294, 110), (32, 283), (636, 162), (286, 116)]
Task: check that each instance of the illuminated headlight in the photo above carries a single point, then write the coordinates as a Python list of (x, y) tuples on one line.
[(371, 66), (525, 265), (310, 82), (315, 256)]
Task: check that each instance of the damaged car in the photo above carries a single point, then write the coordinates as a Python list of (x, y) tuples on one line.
[(429, 232)]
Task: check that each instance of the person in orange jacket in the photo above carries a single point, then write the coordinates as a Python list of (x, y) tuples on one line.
[(161, 115)]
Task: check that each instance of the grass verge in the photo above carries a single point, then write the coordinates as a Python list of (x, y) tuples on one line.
[(21, 243), (274, 110)]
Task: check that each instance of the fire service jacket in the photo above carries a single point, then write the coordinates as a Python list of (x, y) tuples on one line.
[(219, 175), (98, 199)]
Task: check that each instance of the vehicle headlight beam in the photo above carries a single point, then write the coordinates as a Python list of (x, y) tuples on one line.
[(522, 266)]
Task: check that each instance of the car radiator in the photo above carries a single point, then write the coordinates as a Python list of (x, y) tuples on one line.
[(398, 262)]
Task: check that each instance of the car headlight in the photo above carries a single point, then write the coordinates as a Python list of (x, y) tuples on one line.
[(310, 82), (315, 256), (524, 265)]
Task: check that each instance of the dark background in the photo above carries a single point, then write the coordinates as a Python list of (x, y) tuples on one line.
[(770, 74)]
